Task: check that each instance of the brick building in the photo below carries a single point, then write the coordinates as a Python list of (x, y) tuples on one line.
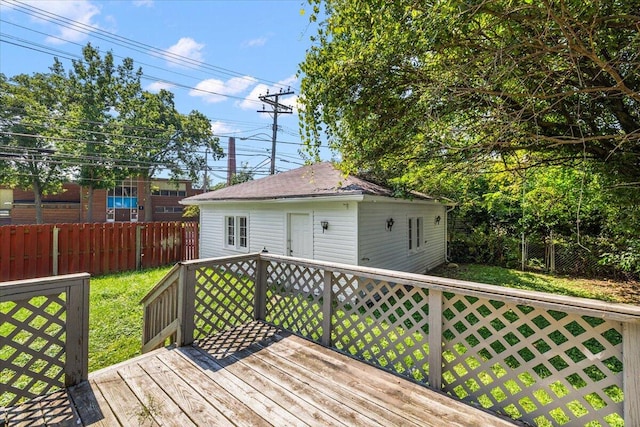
[(125, 202)]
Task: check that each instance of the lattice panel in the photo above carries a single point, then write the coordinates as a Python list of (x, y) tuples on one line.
[(224, 297), (383, 323), (541, 366), (32, 356), (294, 298)]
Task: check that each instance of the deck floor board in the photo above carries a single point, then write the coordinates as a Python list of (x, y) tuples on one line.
[(256, 375), (231, 411), (330, 384)]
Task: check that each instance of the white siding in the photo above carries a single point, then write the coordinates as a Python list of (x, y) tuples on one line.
[(211, 232), (357, 232), (381, 248), (268, 228), (338, 242)]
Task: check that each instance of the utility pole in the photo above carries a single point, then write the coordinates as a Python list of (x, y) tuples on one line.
[(277, 108)]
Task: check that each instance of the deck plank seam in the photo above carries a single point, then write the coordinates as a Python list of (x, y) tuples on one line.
[(233, 381), (279, 385), (199, 390), (351, 397)]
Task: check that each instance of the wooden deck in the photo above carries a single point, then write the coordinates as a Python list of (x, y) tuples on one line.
[(252, 376)]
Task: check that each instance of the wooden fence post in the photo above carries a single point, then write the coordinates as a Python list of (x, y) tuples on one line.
[(54, 250), (327, 307), (435, 339), (77, 345), (138, 247)]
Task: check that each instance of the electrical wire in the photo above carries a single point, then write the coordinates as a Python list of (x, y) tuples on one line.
[(67, 119), (50, 157), (47, 126), (128, 43), (40, 14)]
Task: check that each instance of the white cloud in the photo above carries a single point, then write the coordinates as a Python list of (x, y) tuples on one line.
[(260, 41), (82, 11), (145, 3), (249, 103), (155, 87), (214, 90), (289, 81), (222, 128), (186, 47)]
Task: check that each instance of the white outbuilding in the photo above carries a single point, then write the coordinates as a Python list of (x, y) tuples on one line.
[(317, 212)]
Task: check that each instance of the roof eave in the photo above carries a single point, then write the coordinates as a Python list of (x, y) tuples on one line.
[(434, 201), (294, 199)]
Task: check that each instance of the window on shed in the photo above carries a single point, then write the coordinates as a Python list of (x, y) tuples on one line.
[(231, 231), (411, 233), (415, 228), (236, 232), (242, 231)]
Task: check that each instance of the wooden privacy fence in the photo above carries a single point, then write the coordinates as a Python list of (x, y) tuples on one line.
[(29, 251), (547, 360)]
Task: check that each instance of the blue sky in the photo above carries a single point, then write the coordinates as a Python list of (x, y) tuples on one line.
[(215, 56)]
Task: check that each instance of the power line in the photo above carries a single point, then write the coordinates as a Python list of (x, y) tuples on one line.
[(147, 76), (51, 156), (126, 42), (66, 119), (116, 137)]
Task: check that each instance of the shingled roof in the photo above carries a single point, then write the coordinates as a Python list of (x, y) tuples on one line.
[(320, 179)]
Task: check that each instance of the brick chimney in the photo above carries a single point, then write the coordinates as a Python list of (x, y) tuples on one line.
[(231, 159)]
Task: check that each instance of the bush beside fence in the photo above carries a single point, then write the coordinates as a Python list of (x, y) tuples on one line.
[(29, 251)]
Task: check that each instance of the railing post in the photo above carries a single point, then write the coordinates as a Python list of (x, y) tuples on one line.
[(631, 373), (435, 339), (260, 297), (186, 305), (77, 331), (327, 307)]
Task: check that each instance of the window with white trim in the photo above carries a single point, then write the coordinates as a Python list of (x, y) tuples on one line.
[(415, 227), (236, 234)]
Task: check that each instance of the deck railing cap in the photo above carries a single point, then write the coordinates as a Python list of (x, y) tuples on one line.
[(627, 312)]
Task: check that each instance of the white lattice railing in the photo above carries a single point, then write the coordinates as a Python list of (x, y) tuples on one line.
[(44, 330), (540, 358)]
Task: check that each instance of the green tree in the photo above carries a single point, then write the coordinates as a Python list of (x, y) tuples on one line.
[(95, 86), (30, 158), (161, 138), (395, 85), (245, 174)]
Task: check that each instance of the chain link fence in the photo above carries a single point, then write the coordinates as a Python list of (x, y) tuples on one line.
[(567, 255)]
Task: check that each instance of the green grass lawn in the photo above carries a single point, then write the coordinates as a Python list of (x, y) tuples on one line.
[(605, 290), (115, 315)]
